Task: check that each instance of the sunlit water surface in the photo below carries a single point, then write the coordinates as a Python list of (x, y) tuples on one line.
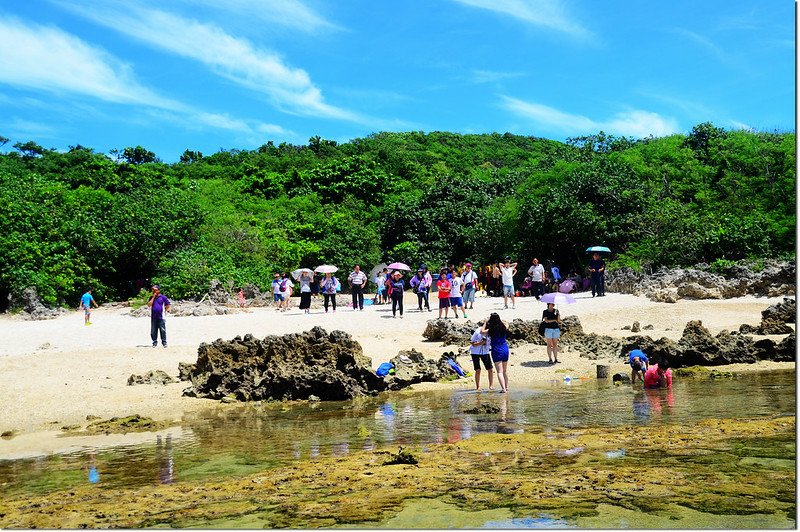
[(231, 440)]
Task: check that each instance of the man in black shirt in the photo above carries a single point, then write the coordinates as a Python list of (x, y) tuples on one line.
[(598, 270)]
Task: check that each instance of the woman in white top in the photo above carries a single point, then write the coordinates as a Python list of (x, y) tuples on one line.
[(508, 270)]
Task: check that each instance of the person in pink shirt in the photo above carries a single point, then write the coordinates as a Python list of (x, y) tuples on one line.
[(658, 375)]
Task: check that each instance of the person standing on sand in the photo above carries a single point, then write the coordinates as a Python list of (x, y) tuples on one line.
[(357, 281), (421, 284), (456, 301), (398, 286), (507, 272), (287, 288), (443, 287), (497, 331), (598, 270), (538, 278), (328, 287), (277, 291), (159, 304), (470, 279), (305, 291), (552, 332), (240, 298), (86, 304), (479, 349)]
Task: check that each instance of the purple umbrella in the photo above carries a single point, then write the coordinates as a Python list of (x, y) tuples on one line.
[(566, 287), (556, 298)]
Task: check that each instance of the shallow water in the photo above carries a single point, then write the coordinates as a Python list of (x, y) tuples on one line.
[(232, 440)]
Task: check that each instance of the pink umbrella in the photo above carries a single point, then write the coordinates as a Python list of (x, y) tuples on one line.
[(566, 287), (399, 266)]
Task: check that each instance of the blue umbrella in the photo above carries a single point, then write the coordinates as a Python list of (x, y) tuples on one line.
[(599, 248)]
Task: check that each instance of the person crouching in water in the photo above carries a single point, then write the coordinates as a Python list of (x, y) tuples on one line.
[(659, 375), (497, 331), (479, 349), (639, 364)]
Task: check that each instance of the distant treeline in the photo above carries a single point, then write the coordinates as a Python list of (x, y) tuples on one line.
[(78, 219)]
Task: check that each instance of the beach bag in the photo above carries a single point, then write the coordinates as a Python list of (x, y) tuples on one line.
[(541, 328), (456, 367), (384, 369), (338, 285)]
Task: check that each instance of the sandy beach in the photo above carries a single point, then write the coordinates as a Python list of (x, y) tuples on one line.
[(57, 372)]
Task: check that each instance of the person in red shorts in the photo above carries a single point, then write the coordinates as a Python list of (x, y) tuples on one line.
[(443, 286)]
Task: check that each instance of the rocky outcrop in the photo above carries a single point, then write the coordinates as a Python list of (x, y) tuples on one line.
[(774, 319), (294, 366), (151, 377), (33, 308), (774, 279), (452, 332), (411, 367), (449, 332)]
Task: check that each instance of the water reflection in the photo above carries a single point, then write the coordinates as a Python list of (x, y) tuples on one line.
[(229, 440)]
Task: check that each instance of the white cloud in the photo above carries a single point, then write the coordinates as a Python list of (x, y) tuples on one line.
[(547, 13), (290, 13), (49, 59), (634, 123), (490, 76), (235, 59)]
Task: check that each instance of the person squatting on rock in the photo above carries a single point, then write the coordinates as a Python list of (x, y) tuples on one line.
[(639, 364), (498, 331), (479, 349), (552, 332), (159, 304)]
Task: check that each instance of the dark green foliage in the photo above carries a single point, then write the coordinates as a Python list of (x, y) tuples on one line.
[(79, 219)]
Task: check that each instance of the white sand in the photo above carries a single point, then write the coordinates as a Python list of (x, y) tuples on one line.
[(56, 372)]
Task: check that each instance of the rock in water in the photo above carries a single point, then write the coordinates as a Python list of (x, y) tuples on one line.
[(294, 366)]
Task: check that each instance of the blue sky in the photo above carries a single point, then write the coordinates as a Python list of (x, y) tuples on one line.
[(207, 75)]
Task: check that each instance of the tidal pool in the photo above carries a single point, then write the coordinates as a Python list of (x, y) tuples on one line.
[(234, 441)]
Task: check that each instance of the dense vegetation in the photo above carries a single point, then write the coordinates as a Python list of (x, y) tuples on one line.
[(78, 219)]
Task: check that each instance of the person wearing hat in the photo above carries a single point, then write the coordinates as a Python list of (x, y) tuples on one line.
[(421, 284), (158, 304), (398, 286), (470, 280)]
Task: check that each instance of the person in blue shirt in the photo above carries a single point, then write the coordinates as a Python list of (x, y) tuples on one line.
[(639, 364), (86, 304)]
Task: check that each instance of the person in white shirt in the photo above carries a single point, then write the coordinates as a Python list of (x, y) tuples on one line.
[(507, 271), (357, 279), (538, 277), (470, 279), (456, 301), (479, 349)]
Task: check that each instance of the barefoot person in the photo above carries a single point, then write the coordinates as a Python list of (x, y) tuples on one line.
[(639, 364), (659, 375), (86, 304), (552, 331), (479, 349), (497, 331)]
